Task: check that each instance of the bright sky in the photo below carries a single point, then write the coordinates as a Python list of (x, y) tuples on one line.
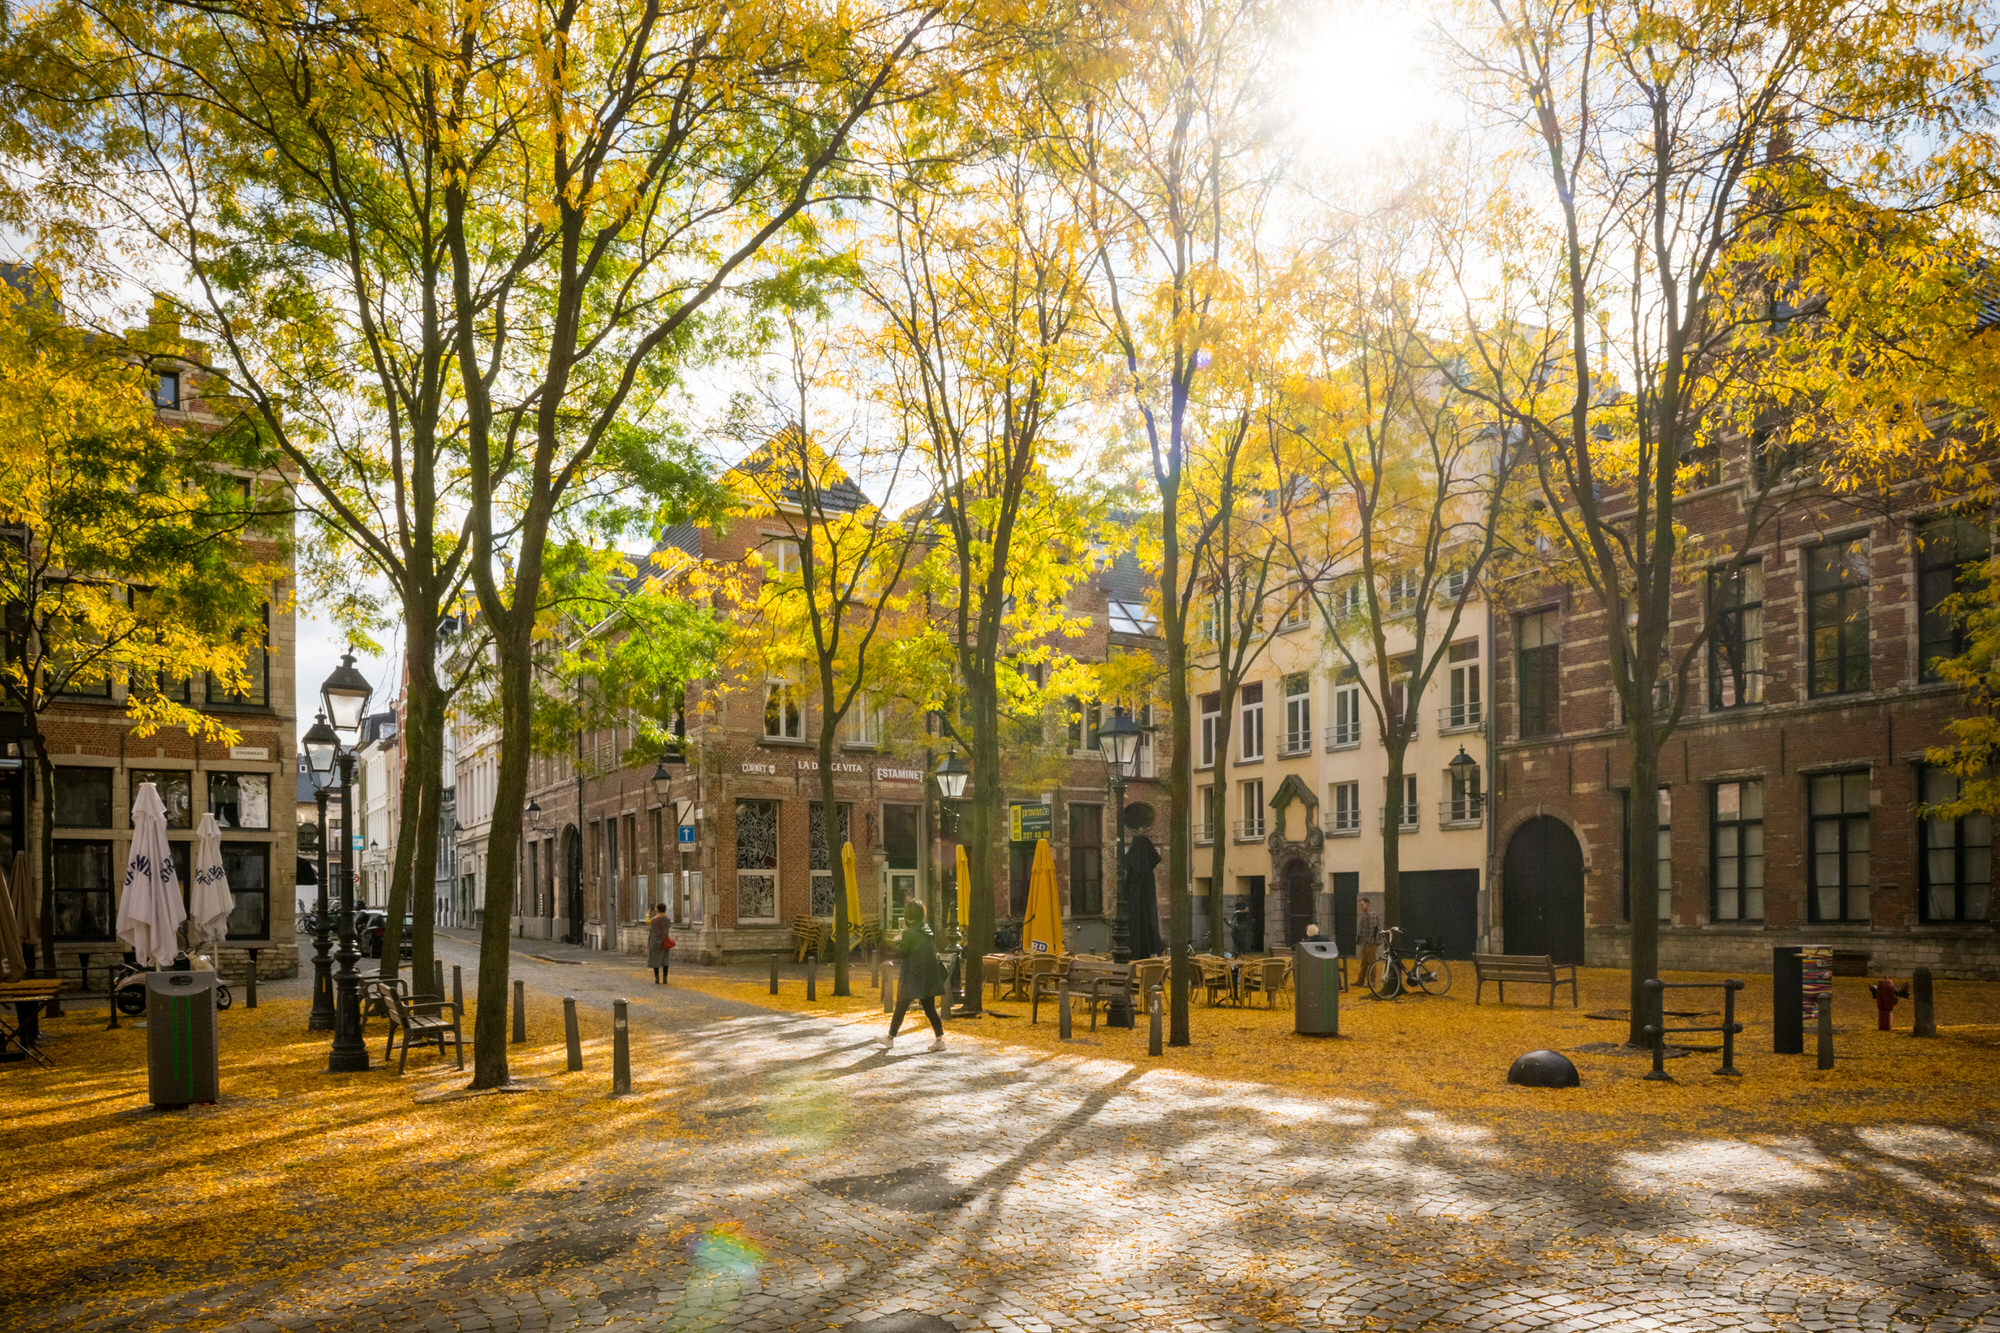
[(1364, 77)]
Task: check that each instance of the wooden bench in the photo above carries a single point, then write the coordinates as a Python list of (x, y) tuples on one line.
[(1097, 981), (27, 995), (418, 1020), (1523, 969)]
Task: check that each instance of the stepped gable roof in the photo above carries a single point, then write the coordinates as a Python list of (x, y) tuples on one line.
[(839, 493)]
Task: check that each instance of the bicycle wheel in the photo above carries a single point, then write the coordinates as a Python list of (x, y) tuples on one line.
[(131, 1000), (1433, 974), (1383, 979), (223, 999)]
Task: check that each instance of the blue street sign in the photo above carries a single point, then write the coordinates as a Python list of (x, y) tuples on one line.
[(687, 835)]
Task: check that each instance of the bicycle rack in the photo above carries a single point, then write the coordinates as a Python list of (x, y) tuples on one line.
[(1658, 1031)]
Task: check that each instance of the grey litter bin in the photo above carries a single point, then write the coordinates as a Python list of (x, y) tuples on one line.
[(1316, 988), (182, 1064)]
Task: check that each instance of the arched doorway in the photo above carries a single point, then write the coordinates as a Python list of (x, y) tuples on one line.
[(1297, 885), (573, 883), (1542, 891)]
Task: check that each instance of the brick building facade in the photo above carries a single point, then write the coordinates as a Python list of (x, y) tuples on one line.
[(602, 842), (1789, 794)]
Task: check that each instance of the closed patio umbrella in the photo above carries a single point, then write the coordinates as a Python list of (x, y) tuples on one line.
[(1142, 902), (12, 953), (150, 911), (210, 902), (853, 889), (964, 893), (1042, 932), (27, 902)]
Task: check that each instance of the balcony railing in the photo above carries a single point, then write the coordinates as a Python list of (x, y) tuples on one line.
[(1409, 809), (1462, 811), (1461, 717), (1204, 833), (1343, 735), (1249, 830), (1343, 823), (1297, 742)]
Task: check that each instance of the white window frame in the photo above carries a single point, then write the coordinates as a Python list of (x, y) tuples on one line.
[(1250, 719)]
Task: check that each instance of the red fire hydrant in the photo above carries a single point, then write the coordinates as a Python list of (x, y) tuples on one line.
[(1885, 992)]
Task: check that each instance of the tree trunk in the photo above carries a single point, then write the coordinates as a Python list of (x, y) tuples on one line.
[(1642, 838), (1219, 854), (426, 731), (512, 650), (1179, 859), (829, 822), (1392, 835), (985, 808), (45, 773)]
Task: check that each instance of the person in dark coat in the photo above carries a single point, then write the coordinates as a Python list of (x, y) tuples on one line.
[(659, 943), (921, 977), (1239, 929)]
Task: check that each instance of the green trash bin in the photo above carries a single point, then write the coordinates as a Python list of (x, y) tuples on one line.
[(182, 1062)]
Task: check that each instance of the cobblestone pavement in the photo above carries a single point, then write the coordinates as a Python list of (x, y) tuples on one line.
[(834, 1185)]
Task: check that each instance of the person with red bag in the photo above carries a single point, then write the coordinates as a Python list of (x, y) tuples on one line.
[(659, 943)]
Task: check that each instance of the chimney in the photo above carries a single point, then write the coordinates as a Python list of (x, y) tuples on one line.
[(166, 318)]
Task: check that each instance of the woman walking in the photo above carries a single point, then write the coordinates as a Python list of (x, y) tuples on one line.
[(921, 977), (659, 943)]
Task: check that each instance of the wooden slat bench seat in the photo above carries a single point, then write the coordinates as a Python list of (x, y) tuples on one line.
[(1523, 969)]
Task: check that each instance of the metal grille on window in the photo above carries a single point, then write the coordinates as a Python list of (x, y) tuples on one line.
[(824, 886), (756, 860)]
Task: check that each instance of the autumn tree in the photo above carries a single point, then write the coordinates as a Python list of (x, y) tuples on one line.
[(132, 553), (980, 289), (1656, 144), (1162, 133), (831, 589)]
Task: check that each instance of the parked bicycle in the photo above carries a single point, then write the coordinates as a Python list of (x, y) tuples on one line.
[(1399, 968), (128, 987)]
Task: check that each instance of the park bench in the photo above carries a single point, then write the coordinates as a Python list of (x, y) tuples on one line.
[(1523, 969), (421, 1020), (1097, 980)]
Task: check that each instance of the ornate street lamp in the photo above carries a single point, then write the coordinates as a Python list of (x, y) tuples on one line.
[(951, 776), (1118, 742), (346, 693), (321, 745)]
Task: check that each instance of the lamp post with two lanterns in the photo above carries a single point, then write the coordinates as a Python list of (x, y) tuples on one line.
[(318, 736), (328, 743), (951, 776), (1118, 742)]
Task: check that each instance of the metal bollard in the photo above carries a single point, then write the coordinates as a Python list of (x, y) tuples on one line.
[(621, 1052), (875, 968), (1730, 1027), (1659, 1074), (774, 974), (1924, 1018), (812, 977), (250, 982), (1826, 1032), (437, 977), (520, 1012), (111, 994), (457, 990), (1062, 1010), (1153, 1036), (570, 1036), (888, 988)]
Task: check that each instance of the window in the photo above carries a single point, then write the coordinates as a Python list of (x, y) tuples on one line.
[(1736, 643), (1345, 600), (1346, 816), (1251, 795), (240, 800), (783, 555), (1837, 617), (176, 788), (1211, 722), (864, 722), (1465, 710), (256, 691), (84, 681), (1736, 851), (1298, 713), (1467, 802), (1840, 846), (1537, 651), (167, 390), (82, 900), (756, 860), (1663, 848), (1957, 869), (1298, 612), (1406, 810), (1346, 728), (825, 858), (178, 689), (1402, 708), (902, 835), (1251, 716), (1205, 814), (1402, 590), (1086, 860), (784, 713), (83, 797), (248, 866), (1949, 553), (1084, 720)]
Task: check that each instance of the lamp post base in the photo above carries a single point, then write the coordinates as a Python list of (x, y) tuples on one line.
[(1118, 1012)]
